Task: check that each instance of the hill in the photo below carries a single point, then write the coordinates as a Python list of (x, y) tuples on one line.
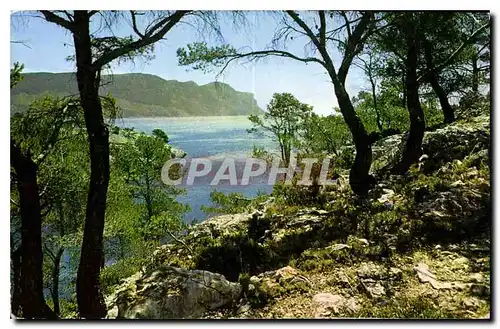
[(142, 95)]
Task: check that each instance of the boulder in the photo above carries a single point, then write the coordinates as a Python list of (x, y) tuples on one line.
[(373, 288), (272, 284), (170, 292), (326, 303)]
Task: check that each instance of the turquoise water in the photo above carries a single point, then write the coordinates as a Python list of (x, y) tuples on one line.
[(212, 137)]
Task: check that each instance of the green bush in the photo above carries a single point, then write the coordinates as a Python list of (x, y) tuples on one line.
[(112, 275)]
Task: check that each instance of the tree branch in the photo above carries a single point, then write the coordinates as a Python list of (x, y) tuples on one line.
[(149, 38), (53, 18), (455, 53), (322, 29), (354, 44), (264, 53), (134, 24), (304, 27)]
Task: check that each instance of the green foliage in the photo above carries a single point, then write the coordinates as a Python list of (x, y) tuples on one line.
[(204, 58), (15, 74), (231, 203), (113, 274), (393, 116), (282, 121), (142, 95), (139, 160), (262, 153), (161, 135), (324, 134)]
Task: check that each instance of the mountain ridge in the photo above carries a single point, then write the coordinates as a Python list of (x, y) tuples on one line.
[(142, 94)]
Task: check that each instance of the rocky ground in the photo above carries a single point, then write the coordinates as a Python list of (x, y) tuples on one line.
[(417, 247)]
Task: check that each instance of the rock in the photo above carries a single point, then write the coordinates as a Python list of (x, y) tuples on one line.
[(362, 242), (386, 196), (424, 275), (343, 280), (327, 303), (244, 309), (286, 272), (319, 212), (170, 292), (257, 214), (476, 277), (272, 284), (395, 273), (460, 263), (471, 303), (351, 305), (373, 288), (302, 220), (339, 246), (371, 270)]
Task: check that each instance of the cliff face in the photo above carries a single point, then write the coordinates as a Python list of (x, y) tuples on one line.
[(143, 95), (417, 247)]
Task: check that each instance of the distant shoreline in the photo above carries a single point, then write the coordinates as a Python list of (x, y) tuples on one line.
[(184, 117)]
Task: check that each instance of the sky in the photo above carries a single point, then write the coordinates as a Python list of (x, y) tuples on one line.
[(45, 48)]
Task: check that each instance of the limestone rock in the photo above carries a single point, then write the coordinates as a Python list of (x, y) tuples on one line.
[(326, 303), (170, 292), (476, 277), (272, 284), (425, 275), (373, 288)]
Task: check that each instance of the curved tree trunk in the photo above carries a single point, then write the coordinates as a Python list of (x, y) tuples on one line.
[(89, 297), (32, 301), (359, 177), (449, 114), (413, 145)]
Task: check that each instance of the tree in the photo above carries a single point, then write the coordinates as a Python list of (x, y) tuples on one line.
[(324, 133), (65, 177), (320, 30), (282, 121), (33, 136), (369, 65), (413, 144), (444, 41), (140, 160), (92, 54)]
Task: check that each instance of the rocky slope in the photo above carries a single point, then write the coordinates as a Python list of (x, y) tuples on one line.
[(417, 247)]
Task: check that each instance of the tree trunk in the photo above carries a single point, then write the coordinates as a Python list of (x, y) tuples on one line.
[(32, 301), (374, 95), (359, 179), (90, 300), (16, 289), (475, 75), (413, 146), (403, 84), (55, 280), (449, 114)]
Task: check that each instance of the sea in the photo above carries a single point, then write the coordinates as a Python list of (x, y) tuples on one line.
[(215, 138)]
